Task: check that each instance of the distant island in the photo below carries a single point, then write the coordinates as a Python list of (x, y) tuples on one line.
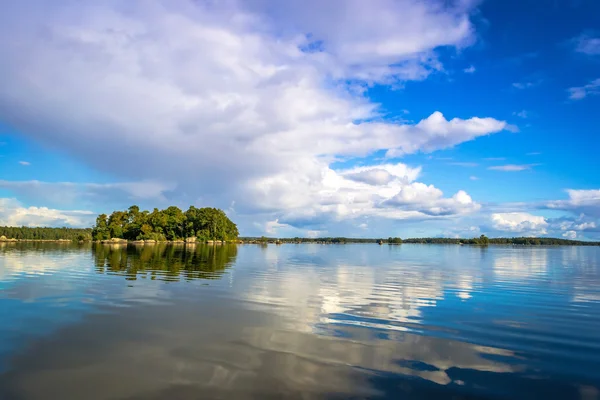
[(212, 225)]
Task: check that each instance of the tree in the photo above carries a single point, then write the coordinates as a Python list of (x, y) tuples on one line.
[(101, 231), (483, 240), (395, 240)]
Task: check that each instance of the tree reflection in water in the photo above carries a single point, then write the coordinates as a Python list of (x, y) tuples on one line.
[(164, 261)]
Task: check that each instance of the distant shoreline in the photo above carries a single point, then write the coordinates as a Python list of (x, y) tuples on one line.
[(331, 241)]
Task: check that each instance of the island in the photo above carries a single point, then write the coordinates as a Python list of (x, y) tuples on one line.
[(171, 224)]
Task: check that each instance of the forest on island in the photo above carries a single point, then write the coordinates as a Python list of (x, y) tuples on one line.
[(168, 224)]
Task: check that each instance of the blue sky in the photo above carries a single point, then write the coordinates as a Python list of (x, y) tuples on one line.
[(432, 118)]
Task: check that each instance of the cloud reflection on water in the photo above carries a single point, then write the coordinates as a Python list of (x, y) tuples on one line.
[(325, 321)]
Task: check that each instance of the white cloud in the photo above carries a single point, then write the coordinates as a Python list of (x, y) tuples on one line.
[(469, 70), (473, 178), (13, 213), (235, 101), (570, 235), (384, 191), (585, 202), (464, 164), (381, 174), (271, 227), (581, 92), (428, 200), (587, 44), (519, 222), (25, 163), (584, 197), (585, 225), (512, 167)]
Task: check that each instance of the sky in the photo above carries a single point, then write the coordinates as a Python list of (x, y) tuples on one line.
[(404, 118)]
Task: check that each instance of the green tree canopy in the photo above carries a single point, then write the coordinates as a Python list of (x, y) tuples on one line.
[(168, 224)]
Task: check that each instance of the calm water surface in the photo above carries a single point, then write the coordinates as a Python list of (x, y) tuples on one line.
[(299, 321)]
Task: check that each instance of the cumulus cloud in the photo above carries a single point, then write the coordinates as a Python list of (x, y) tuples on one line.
[(469, 70), (249, 102), (581, 92), (580, 201), (582, 223), (13, 213), (382, 174), (570, 235), (384, 191), (520, 222), (428, 200), (584, 226)]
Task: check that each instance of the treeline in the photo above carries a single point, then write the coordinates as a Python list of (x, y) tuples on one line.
[(528, 241), (27, 233), (481, 240), (168, 224), (213, 224)]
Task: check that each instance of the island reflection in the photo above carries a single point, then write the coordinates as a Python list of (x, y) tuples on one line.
[(164, 262)]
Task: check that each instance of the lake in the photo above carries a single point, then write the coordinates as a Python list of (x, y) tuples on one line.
[(298, 321)]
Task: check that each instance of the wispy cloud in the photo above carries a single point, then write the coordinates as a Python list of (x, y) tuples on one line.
[(464, 164), (533, 153), (587, 44), (473, 178), (526, 84), (494, 158), (26, 163), (512, 167), (581, 92), (471, 69), (521, 114)]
